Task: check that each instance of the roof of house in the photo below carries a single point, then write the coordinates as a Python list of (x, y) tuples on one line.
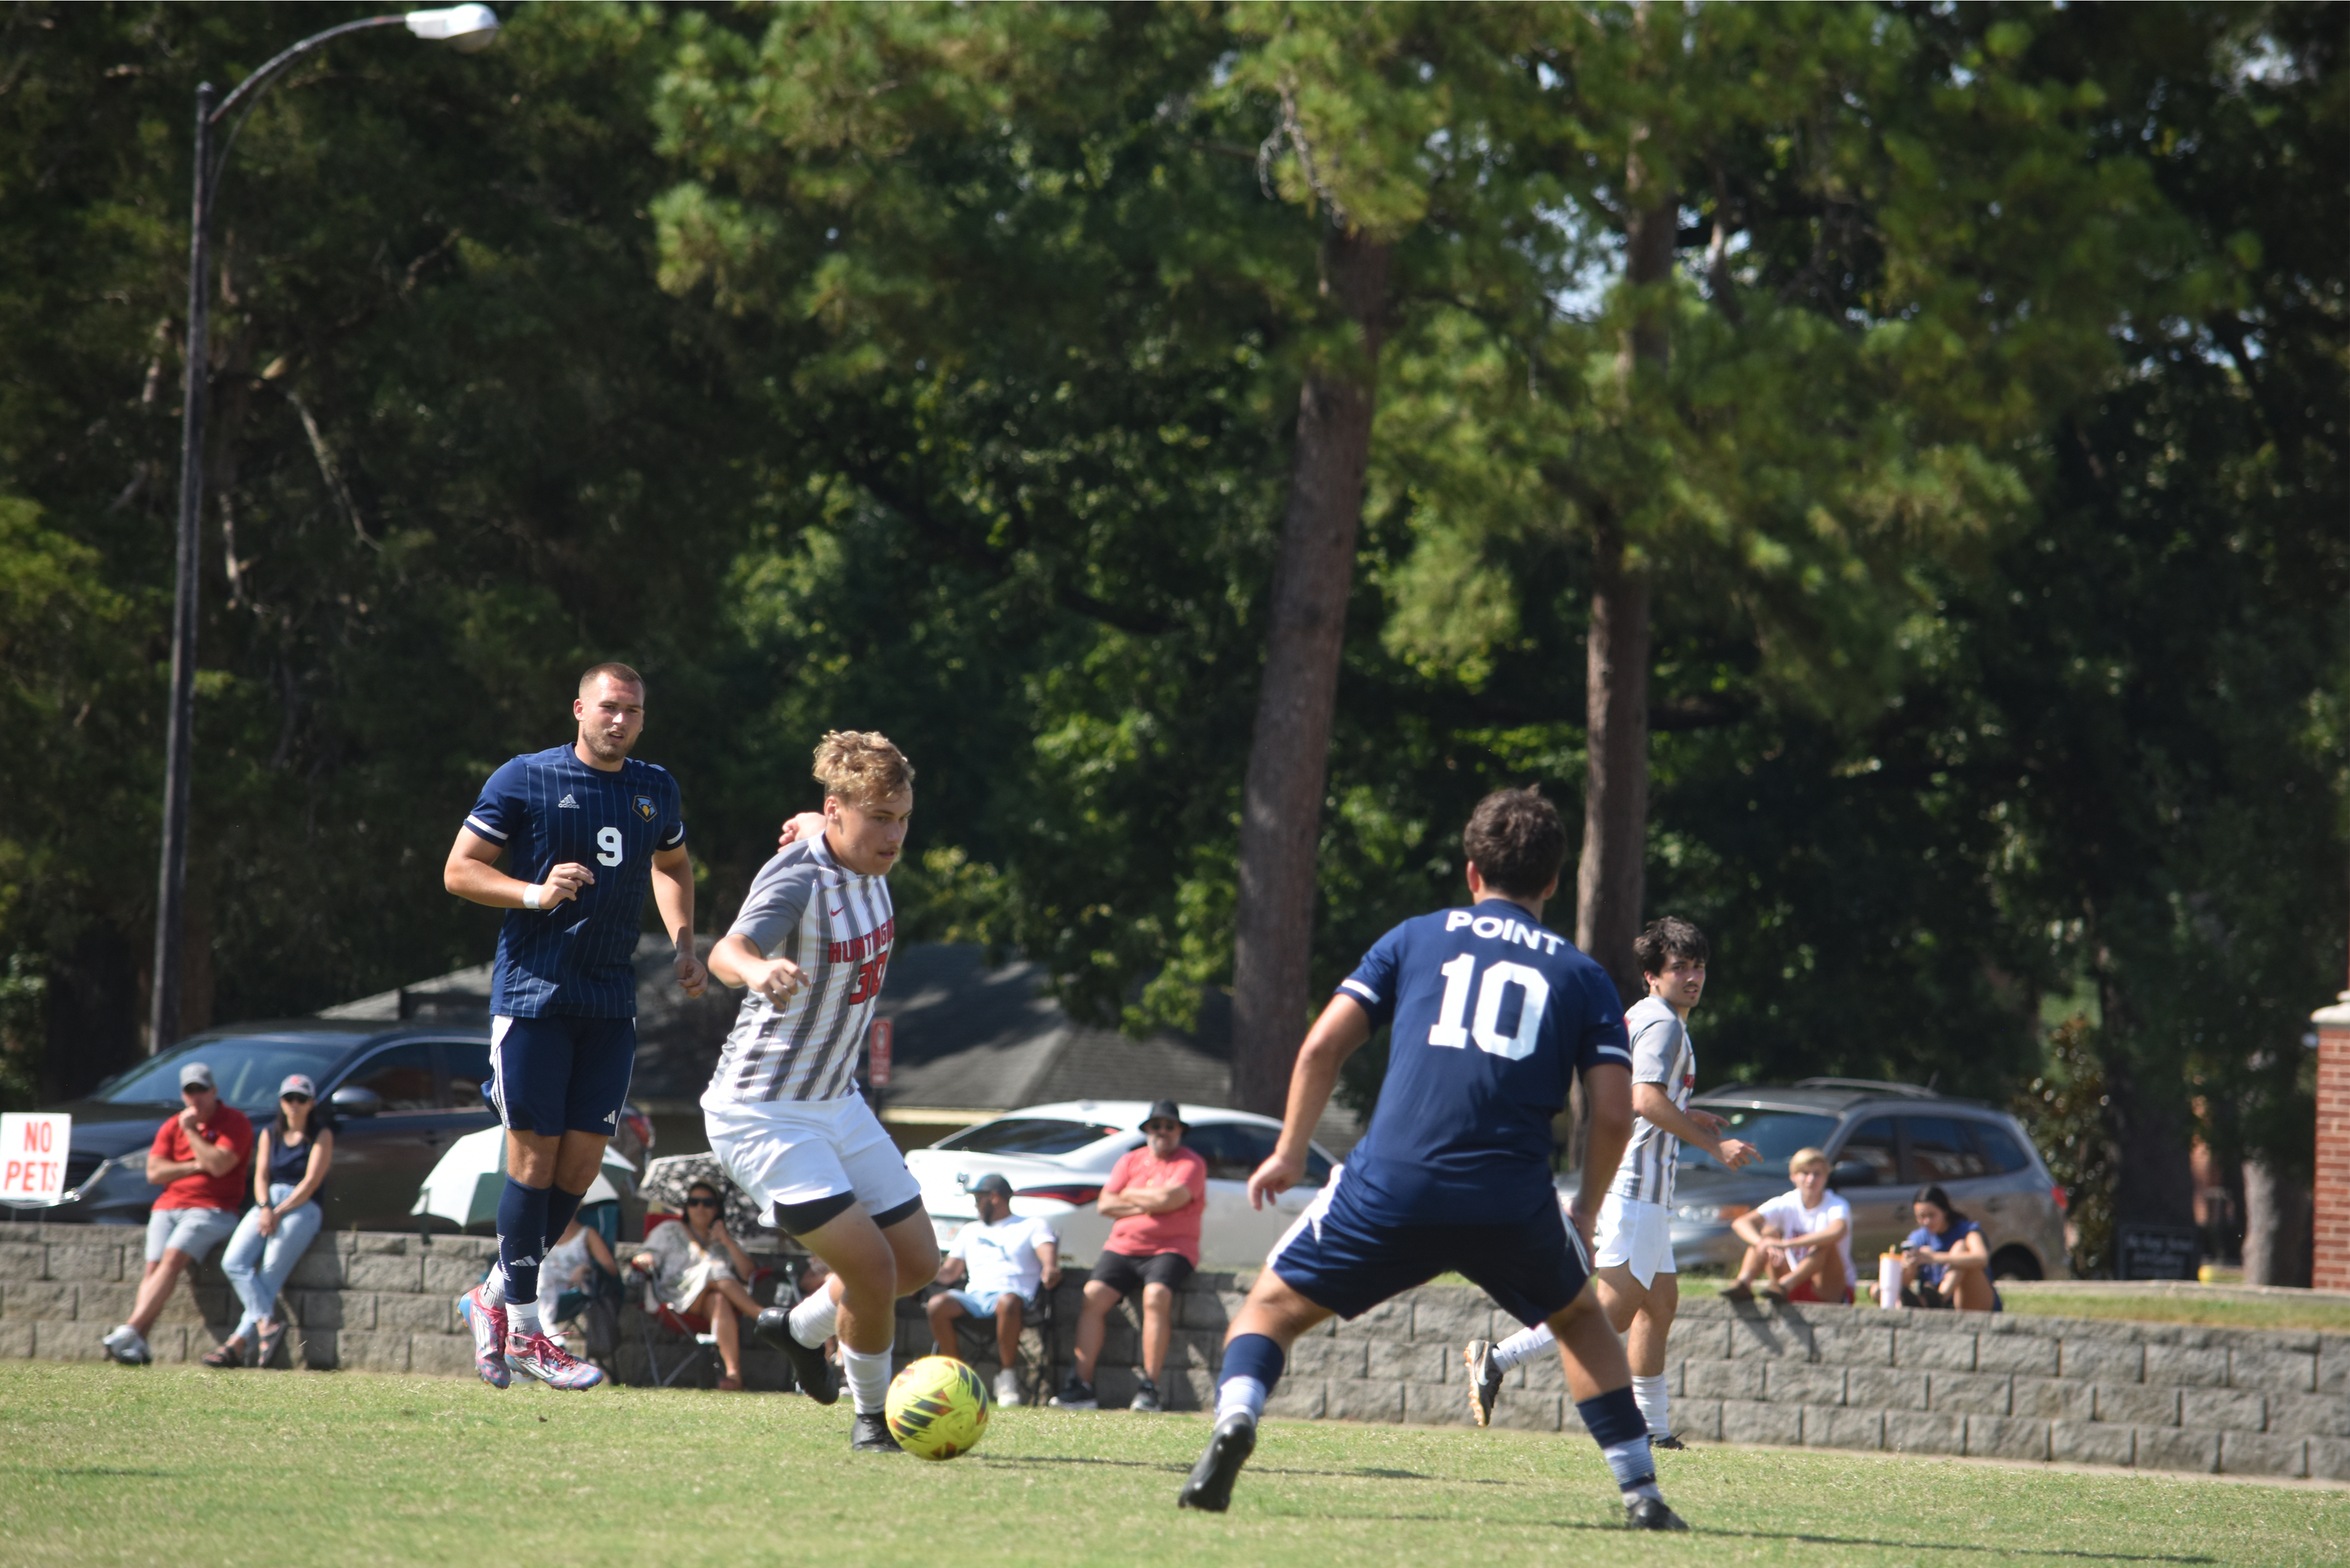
[(965, 1033)]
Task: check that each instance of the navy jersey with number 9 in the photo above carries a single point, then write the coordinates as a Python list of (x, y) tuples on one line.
[(1492, 1015), (546, 808)]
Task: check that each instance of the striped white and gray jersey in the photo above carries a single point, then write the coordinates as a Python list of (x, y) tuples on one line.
[(1661, 1054), (837, 925)]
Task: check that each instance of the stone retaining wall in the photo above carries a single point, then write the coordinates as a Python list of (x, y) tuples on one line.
[(2149, 1395)]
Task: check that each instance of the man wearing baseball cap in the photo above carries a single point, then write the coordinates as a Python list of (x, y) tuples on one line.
[(198, 1159), (1157, 1194), (1002, 1261)]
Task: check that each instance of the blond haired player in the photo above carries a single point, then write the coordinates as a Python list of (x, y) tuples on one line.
[(1633, 1262), (811, 946)]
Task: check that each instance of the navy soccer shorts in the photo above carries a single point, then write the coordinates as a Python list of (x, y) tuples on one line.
[(556, 1075), (1336, 1258)]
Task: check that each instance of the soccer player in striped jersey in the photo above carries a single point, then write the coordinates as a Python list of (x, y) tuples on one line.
[(811, 946), (1491, 1015), (588, 828), (1638, 1284)]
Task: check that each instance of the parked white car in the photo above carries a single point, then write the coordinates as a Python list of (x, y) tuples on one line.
[(1057, 1156)]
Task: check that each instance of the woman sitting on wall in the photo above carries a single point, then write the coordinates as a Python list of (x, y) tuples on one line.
[(1945, 1262), (290, 1163)]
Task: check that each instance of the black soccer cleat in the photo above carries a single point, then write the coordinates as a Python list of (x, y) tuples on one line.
[(1651, 1513), (870, 1435), (1484, 1380), (808, 1367), (1209, 1485), (1670, 1443)]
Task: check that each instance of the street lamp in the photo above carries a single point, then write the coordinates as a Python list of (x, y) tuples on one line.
[(465, 27)]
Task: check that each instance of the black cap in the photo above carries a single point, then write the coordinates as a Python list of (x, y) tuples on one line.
[(1164, 1110), (991, 1182)]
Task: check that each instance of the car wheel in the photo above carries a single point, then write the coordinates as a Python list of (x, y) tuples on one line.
[(2015, 1263)]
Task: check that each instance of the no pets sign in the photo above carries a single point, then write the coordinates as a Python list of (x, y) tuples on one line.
[(32, 1156)]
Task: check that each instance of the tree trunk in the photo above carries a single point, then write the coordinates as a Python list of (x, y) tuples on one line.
[(2147, 1110), (2277, 1213), (1289, 749), (1610, 878)]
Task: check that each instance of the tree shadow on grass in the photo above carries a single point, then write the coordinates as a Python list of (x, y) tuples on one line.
[(1806, 1537), (1368, 1472)]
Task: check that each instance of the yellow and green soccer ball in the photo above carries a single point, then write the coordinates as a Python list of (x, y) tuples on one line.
[(937, 1408)]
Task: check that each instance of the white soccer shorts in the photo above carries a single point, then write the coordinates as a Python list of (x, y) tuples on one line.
[(797, 1151), (1636, 1234)]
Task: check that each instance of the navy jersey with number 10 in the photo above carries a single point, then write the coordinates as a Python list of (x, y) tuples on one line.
[(1492, 1015), (548, 808)]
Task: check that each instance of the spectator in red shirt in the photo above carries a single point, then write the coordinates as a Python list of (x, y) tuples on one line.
[(1156, 1194), (198, 1159)]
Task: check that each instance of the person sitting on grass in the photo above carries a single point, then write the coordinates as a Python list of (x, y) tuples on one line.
[(1809, 1256), (289, 1167), (1005, 1264), (1945, 1262), (698, 1267)]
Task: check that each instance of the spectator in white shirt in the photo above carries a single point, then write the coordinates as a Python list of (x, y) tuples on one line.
[(1001, 1263), (1810, 1256)]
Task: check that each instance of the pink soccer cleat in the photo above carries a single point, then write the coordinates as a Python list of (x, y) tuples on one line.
[(487, 1319), (535, 1355)]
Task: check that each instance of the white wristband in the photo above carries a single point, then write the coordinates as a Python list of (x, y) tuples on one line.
[(530, 896)]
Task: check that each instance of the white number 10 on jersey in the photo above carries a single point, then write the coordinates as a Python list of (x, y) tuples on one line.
[(1486, 1030), (608, 846)]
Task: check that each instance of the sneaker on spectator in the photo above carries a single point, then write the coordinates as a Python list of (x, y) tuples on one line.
[(535, 1355), (1076, 1394), (1007, 1387), (127, 1345), (1146, 1397)]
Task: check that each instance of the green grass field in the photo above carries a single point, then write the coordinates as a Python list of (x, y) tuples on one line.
[(102, 1465)]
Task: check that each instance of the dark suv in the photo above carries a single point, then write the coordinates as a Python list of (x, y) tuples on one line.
[(1885, 1140), (401, 1094)]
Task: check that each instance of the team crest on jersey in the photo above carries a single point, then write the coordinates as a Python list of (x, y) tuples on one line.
[(644, 807)]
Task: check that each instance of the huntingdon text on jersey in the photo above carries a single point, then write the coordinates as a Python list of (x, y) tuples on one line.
[(1662, 1054), (546, 808), (836, 924), (1493, 1016)]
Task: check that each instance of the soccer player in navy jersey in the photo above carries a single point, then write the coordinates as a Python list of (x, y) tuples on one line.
[(588, 828), (1491, 1014)]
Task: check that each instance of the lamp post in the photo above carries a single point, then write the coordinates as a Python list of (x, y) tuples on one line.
[(467, 28)]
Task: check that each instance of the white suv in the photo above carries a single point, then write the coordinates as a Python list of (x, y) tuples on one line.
[(1057, 1156)]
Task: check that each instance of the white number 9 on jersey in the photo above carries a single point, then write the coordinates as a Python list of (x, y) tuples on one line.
[(608, 846), (1486, 1030)]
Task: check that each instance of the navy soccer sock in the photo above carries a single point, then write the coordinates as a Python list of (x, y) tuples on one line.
[(562, 1208), (1621, 1431), (1252, 1368), (522, 1231)]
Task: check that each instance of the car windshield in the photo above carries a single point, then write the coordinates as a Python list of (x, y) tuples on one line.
[(1776, 1135), (1028, 1135), (248, 1069)]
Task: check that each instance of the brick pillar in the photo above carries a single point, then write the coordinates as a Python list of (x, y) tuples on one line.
[(2330, 1260)]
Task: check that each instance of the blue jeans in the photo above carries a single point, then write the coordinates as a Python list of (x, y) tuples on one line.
[(257, 1265)]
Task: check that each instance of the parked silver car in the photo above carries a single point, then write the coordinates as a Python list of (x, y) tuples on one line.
[(1885, 1140), (1057, 1156)]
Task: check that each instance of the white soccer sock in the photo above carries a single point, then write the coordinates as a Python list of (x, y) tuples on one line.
[(1524, 1346), (1656, 1404), (816, 1319), (867, 1374), (522, 1317), (1244, 1395), (493, 1288)]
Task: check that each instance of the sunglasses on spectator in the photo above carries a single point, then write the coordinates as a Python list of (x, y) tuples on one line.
[(701, 1203), (1162, 1126), (197, 1088), (295, 1099)]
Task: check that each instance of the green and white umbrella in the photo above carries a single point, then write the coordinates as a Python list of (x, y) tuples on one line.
[(465, 1185)]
